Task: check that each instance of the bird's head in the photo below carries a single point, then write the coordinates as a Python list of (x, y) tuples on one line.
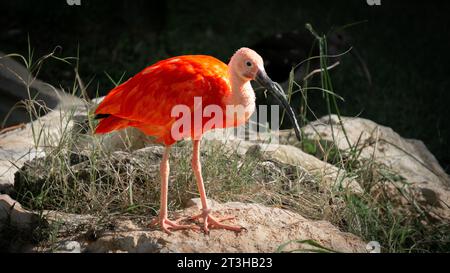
[(248, 65)]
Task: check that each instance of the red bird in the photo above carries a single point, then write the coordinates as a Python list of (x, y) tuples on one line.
[(147, 100)]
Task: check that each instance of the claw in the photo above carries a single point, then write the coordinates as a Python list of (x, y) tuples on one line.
[(167, 225), (211, 222)]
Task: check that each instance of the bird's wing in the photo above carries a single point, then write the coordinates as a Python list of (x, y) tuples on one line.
[(150, 96)]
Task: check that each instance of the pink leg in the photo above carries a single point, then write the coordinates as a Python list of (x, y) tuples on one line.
[(208, 220), (162, 220)]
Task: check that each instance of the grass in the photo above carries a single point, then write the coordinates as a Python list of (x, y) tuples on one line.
[(80, 175), (377, 214), (314, 247)]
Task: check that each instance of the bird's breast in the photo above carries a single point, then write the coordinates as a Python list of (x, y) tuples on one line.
[(240, 105)]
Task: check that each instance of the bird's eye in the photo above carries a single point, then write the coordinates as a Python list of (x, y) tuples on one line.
[(248, 63)]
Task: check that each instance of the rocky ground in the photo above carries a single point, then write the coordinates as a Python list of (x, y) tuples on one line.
[(266, 230)]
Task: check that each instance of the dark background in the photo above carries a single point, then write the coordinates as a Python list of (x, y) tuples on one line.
[(405, 45)]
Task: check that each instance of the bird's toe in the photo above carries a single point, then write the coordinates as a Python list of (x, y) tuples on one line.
[(167, 225)]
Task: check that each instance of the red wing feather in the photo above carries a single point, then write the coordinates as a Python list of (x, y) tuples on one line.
[(150, 95), (147, 99)]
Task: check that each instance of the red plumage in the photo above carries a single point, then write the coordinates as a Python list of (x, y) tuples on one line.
[(146, 100)]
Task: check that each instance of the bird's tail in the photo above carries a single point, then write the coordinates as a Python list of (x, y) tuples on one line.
[(111, 123)]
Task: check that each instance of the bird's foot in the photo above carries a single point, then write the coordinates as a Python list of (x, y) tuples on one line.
[(167, 225), (211, 222)]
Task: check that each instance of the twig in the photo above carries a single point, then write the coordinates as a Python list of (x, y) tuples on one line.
[(320, 70), (82, 87), (12, 128)]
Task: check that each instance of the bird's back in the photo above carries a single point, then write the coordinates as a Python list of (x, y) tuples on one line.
[(146, 100)]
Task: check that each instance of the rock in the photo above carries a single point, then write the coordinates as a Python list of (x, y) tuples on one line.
[(13, 89), (407, 157), (69, 219), (21, 145), (68, 247), (12, 214), (267, 229), (73, 231), (331, 175), (286, 155)]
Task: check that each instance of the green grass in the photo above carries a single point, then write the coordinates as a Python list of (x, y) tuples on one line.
[(79, 178), (314, 247)]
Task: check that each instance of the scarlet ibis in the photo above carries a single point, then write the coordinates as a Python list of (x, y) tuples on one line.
[(146, 100)]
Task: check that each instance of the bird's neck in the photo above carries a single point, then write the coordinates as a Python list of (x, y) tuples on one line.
[(241, 96)]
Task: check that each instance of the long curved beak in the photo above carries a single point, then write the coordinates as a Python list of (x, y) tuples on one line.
[(276, 90)]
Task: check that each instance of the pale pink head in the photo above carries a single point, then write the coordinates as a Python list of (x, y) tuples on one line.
[(246, 65)]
